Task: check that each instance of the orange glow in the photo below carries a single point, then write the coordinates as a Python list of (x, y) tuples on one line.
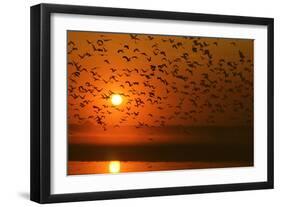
[(114, 167), (101, 167), (202, 81)]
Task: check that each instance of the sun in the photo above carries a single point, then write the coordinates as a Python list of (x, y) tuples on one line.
[(116, 99), (114, 166)]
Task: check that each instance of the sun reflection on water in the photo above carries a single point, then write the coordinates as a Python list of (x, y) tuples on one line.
[(114, 166)]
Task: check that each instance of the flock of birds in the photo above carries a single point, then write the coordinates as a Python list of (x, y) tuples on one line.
[(163, 80)]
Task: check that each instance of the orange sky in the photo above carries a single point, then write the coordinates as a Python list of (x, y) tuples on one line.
[(164, 80)]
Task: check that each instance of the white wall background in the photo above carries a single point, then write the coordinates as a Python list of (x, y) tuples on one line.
[(14, 102)]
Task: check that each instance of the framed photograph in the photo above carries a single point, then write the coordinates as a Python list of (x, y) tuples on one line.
[(133, 103)]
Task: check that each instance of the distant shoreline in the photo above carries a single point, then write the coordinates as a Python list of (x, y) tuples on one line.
[(168, 152)]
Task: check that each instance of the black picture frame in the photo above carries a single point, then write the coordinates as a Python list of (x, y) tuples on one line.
[(41, 96)]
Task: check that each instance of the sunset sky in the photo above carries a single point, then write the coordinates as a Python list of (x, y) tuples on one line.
[(162, 80)]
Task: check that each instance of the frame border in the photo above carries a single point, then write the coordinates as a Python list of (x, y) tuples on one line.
[(40, 102)]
